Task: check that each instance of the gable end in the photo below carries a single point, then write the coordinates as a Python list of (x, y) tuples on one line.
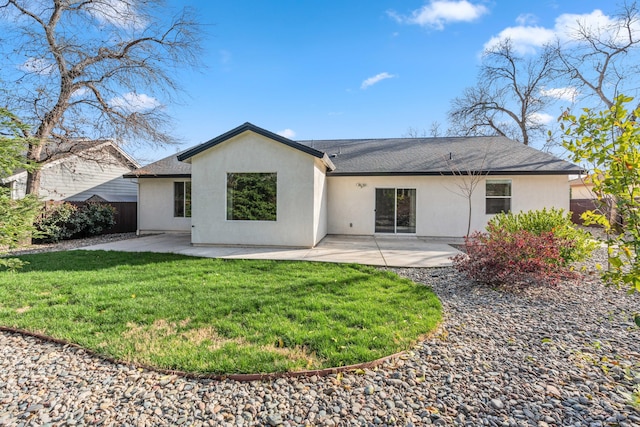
[(253, 128)]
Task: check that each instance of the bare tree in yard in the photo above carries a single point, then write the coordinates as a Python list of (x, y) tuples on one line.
[(92, 68), (602, 59), (469, 177), (507, 98)]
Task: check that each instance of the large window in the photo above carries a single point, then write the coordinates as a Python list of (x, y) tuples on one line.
[(252, 196), (182, 199), (498, 196)]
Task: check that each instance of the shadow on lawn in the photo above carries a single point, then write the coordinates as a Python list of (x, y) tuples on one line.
[(79, 260)]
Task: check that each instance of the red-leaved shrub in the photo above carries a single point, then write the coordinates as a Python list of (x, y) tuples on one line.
[(501, 257)]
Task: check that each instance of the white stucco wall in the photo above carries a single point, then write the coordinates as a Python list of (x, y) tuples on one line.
[(155, 206), (299, 207), (440, 210), (319, 201)]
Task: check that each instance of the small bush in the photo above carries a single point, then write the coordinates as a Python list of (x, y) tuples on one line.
[(503, 257), (66, 221), (55, 224), (576, 245), (93, 219), (525, 248)]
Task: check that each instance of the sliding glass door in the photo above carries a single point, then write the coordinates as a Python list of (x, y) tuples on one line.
[(395, 210)]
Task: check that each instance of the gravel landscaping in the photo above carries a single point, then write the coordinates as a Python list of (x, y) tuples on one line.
[(66, 245), (532, 357)]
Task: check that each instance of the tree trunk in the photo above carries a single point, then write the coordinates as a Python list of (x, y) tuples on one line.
[(33, 182), (33, 177), (469, 217)]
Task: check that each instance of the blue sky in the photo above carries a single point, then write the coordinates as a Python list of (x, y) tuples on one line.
[(345, 68)]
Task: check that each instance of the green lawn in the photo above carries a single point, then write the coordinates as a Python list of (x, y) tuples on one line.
[(217, 316)]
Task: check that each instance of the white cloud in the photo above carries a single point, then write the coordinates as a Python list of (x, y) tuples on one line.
[(541, 118), (437, 13), (37, 65), (527, 37), (287, 133), (563, 93), (119, 13), (567, 24), (526, 19), (133, 102), (375, 79)]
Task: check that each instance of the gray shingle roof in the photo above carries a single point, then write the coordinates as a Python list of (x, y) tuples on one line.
[(409, 156), (55, 150), (169, 167), (438, 156)]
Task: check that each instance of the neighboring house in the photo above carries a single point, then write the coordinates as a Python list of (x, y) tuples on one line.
[(583, 198), (582, 188), (80, 171), (250, 186)]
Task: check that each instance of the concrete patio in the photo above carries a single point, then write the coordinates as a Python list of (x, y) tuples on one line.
[(388, 251)]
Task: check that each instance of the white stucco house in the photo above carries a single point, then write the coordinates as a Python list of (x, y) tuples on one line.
[(78, 171), (250, 186)]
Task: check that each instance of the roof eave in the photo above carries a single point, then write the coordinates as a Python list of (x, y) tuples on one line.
[(450, 173), (328, 163), (253, 128), (172, 175)]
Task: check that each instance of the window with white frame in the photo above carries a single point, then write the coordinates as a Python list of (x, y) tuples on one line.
[(182, 199), (498, 196)]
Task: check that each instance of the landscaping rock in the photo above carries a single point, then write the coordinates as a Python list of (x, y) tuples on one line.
[(560, 356)]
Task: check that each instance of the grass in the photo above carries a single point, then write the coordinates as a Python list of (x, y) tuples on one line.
[(217, 316)]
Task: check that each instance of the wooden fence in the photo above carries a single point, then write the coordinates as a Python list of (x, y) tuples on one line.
[(126, 215), (579, 206)]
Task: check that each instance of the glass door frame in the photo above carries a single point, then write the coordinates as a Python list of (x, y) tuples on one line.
[(377, 218)]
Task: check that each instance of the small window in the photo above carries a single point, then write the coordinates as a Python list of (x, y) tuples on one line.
[(498, 196), (182, 199), (252, 196)]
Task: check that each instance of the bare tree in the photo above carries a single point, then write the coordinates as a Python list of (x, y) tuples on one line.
[(603, 60), (434, 131), (415, 133), (468, 180), (507, 98), (92, 68)]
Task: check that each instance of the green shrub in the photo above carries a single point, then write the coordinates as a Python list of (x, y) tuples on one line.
[(576, 245), (16, 219), (16, 225), (93, 219), (66, 221), (56, 224), (504, 257)]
